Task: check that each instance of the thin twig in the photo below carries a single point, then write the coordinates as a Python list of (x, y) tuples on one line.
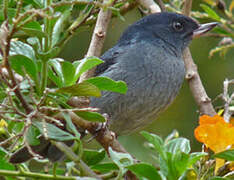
[(71, 155), (10, 139), (161, 5), (195, 83)]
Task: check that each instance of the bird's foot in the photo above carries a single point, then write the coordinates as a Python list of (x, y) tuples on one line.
[(100, 127)]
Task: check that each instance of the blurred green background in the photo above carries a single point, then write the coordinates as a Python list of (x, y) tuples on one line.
[(182, 115)]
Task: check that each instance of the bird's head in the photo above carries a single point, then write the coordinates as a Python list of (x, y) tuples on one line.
[(176, 30)]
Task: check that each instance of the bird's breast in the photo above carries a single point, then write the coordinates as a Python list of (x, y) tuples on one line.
[(153, 78)]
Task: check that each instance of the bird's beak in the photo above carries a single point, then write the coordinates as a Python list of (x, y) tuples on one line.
[(203, 28)]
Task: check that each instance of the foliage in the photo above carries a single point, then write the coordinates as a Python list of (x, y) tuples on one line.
[(36, 86)]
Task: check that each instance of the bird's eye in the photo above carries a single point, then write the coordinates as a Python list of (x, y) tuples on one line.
[(178, 26)]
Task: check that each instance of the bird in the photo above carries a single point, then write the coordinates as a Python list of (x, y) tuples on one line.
[(149, 58)]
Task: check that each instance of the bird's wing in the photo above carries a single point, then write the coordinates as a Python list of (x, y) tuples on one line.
[(109, 58)]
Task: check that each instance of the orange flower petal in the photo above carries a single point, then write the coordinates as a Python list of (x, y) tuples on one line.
[(215, 133)]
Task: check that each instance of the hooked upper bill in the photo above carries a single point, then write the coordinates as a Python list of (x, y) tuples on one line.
[(203, 28)]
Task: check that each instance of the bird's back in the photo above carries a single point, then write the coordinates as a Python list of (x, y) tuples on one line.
[(153, 78)]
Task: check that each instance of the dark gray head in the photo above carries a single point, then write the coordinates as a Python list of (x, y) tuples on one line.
[(175, 29)]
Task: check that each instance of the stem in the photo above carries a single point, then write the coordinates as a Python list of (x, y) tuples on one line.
[(43, 76), (34, 175), (71, 155), (5, 9), (47, 46)]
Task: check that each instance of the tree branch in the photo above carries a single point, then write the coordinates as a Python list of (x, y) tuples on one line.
[(192, 75), (151, 5)]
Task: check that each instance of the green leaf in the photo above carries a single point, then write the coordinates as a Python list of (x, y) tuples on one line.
[(143, 170), (227, 155), (54, 132), (55, 71), (22, 64), (49, 54), (92, 157), (20, 48), (68, 71), (36, 3), (91, 116), (86, 64), (33, 29), (107, 84), (180, 144), (105, 167), (122, 160), (81, 89), (220, 30), (157, 142), (58, 28), (212, 14), (70, 126), (10, 14), (194, 157), (32, 135), (180, 162), (3, 162)]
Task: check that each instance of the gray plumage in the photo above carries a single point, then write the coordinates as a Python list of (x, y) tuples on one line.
[(151, 64)]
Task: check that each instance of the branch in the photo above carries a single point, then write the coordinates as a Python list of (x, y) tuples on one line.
[(69, 153), (22, 173), (192, 75), (151, 5), (98, 38)]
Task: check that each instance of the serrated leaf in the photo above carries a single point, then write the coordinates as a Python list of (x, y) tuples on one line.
[(20, 48), (86, 64), (32, 135), (178, 144), (33, 29), (107, 84), (81, 89), (227, 155), (143, 170), (92, 157), (22, 64), (55, 71), (54, 132), (122, 160), (212, 14), (91, 116), (68, 71), (105, 167), (156, 141)]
